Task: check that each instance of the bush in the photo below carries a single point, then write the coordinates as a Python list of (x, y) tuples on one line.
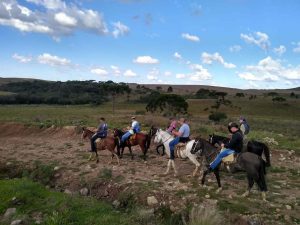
[(217, 116), (205, 216)]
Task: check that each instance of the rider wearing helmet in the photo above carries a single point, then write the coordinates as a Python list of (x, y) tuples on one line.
[(135, 128), (235, 145), (180, 136)]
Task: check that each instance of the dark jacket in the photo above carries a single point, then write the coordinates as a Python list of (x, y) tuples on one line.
[(102, 130), (236, 142)]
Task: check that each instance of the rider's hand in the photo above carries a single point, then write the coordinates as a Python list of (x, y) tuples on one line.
[(222, 145)]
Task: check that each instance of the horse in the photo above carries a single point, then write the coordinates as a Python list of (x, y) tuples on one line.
[(253, 164), (107, 143), (152, 132), (253, 146), (143, 140), (165, 138)]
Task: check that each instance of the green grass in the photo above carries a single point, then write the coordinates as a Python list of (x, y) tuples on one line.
[(57, 208)]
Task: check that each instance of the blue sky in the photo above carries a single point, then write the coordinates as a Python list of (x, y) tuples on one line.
[(232, 43)]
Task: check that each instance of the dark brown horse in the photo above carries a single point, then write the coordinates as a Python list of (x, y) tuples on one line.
[(108, 143), (142, 140)]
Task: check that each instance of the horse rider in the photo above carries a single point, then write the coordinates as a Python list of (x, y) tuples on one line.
[(172, 125), (180, 136), (235, 145), (135, 128), (244, 126), (100, 133)]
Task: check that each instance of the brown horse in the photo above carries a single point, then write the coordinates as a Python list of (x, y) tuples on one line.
[(108, 143), (143, 140)]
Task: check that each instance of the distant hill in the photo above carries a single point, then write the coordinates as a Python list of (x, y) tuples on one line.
[(181, 89)]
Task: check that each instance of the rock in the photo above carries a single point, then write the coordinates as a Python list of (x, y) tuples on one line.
[(277, 210), (56, 168), (288, 207), (106, 193), (88, 168), (207, 196), (151, 200), (146, 213), (172, 208), (253, 221), (8, 164), (67, 191), (84, 191), (277, 186), (116, 203), (9, 212), (57, 175), (287, 218), (16, 222)]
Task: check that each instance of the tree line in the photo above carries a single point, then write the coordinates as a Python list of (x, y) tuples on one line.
[(62, 93)]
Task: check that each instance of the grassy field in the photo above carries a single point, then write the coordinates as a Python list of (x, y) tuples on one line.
[(280, 121), (56, 208)]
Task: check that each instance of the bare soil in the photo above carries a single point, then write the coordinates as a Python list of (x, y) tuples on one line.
[(65, 148)]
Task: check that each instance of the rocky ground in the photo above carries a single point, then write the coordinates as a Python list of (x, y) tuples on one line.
[(144, 182)]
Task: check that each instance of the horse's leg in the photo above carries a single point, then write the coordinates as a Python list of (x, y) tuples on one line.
[(97, 158), (130, 150), (174, 167), (91, 156), (217, 175), (197, 164), (250, 185), (168, 167), (117, 158), (203, 177), (122, 151)]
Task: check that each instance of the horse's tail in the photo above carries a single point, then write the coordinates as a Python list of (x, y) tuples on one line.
[(148, 142), (262, 178), (267, 155), (117, 143)]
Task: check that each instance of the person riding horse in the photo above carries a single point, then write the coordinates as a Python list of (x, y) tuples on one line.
[(135, 128), (172, 125), (101, 133), (180, 136), (235, 145)]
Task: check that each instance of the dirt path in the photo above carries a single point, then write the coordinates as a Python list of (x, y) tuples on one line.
[(65, 148)]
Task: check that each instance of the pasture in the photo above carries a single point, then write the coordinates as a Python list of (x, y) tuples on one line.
[(38, 138)]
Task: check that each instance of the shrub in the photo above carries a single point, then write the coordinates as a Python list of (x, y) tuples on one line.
[(217, 116)]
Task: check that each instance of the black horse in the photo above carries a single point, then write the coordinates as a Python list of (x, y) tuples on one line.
[(249, 162), (253, 146)]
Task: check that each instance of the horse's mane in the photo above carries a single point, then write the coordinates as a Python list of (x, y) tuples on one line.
[(164, 132)]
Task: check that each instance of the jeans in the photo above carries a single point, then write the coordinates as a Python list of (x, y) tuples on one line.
[(93, 139), (172, 147), (125, 136), (220, 156)]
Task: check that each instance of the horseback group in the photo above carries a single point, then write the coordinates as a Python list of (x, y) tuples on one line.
[(249, 161)]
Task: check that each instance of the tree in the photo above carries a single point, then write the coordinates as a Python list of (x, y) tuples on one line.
[(217, 116), (170, 104), (278, 99), (240, 95), (170, 89), (158, 88), (293, 95)]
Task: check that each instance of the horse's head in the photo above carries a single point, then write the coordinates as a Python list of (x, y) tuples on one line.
[(211, 139), (116, 132), (158, 136), (198, 147)]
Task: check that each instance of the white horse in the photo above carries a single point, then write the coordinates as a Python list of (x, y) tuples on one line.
[(165, 138)]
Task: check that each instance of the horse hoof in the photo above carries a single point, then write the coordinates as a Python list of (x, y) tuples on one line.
[(218, 190)]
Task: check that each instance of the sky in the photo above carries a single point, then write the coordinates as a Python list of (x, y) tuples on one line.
[(231, 43)]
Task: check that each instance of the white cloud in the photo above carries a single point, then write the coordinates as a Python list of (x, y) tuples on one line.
[(177, 55), (146, 60), (167, 73), (235, 48), (115, 70), (209, 58), (153, 74), (180, 75), (190, 37), (269, 69), (297, 48), (258, 38), (53, 60), (199, 73), (55, 18), (119, 29), (99, 71), (65, 20), (22, 59), (280, 50), (129, 73)]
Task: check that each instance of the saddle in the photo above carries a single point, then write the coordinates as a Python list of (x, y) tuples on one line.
[(179, 148), (99, 141), (132, 139), (230, 159)]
